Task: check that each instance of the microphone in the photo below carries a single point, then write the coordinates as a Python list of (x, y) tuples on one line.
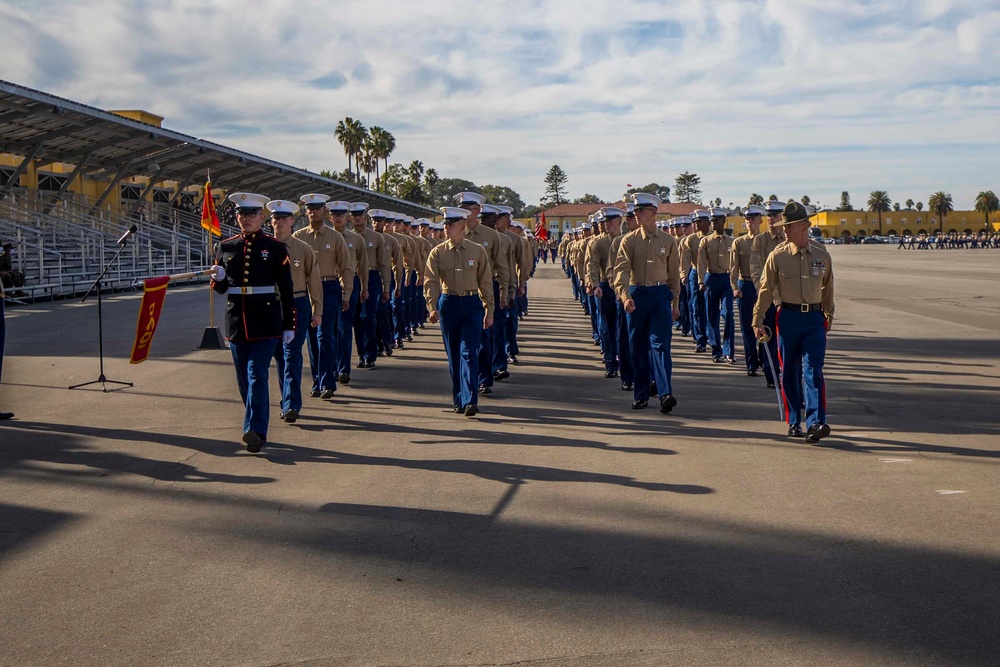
[(131, 230)]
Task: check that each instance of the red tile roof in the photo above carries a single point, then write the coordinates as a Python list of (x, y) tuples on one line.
[(583, 210)]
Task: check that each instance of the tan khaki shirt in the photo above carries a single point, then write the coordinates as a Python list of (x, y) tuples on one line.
[(689, 253), (600, 264), (424, 247), (458, 269), (739, 260), (332, 254), (798, 276), (379, 256), (763, 245), (305, 273), (395, 251), (713, 255), (490, 240), (409, 250), (357, 246), (648, 258)]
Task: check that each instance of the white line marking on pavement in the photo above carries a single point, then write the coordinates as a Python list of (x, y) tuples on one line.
[(944, 492), (896, 460)]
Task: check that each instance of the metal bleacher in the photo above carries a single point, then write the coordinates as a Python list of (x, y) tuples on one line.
[(61, 239), (60, 252)]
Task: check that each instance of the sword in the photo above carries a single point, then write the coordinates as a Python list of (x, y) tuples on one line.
[(774, 373)]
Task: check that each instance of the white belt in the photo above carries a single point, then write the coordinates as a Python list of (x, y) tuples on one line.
[(251, 290)]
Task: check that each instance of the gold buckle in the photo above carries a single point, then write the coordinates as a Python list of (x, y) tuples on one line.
[(243, 290), (804, 308)]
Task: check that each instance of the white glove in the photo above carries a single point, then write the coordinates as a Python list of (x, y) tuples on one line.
[(287, 337), (220, 273)]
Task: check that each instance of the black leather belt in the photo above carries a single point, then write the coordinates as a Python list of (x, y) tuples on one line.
[(802, 307), (469, 293)]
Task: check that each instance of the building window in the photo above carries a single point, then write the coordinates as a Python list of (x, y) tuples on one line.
[(5, 175), (857, 221), (162, 196), (843, 222), (51, 182), (888, 221), (130, 192), (903, 221)]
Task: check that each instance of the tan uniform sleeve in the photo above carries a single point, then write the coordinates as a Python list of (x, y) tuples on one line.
[(432, 281), (734, 265), (828, 304), (674, 275), (623, 269), (702, 261), (500, 270), (757, 259), (485, 279), (361, 271), (346, 260), (397, 262), (383, 261), (765, 295), (314, 283)]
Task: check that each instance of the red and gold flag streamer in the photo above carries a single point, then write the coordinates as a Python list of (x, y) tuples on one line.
[(209, 218), (154, 291)]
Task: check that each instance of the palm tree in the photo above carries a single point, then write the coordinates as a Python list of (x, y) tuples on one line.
[(384, 144), (351, 135), (878, 201), (431, 179), (805, 200), (369, 163), (909, 204), (987, 203), (940, 204), (756, 200), (920, 206), (372, 155)]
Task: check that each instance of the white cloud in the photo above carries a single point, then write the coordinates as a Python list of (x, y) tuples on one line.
[(836, 94)]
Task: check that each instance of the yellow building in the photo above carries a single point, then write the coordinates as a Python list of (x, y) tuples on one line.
[(834, 224)]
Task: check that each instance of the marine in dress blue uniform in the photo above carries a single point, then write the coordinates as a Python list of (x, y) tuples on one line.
[(3, 335), (253, 272)]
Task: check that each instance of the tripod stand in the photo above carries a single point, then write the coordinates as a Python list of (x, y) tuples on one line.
[(102, 379)]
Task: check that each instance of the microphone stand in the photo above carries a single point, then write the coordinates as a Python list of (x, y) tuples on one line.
[(102, 379)]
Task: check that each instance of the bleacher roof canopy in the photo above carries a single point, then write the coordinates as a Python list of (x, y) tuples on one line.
[(50, 129)]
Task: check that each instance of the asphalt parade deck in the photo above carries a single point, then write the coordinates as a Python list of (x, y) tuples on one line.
[(559, 527)]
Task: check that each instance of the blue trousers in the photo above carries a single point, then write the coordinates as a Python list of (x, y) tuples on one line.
[(365, 326), (685, 310), (400, 313), (624, 350), (385, 331), (697, 310), (649, 334), (500, 317), (751, 346), (719, 297), (592, 307), (345, 331), (512, 323), (410, 321), (802, 348), (607, 327), (322, 341), (252, 360), (461, 329), (486, 344), (288, 358), (770, 323)]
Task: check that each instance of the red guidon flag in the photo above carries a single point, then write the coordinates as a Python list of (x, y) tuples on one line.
[(542, 229), (153, 293), (209, 218)]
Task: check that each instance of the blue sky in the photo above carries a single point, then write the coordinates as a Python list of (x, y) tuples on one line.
[(789, 97)]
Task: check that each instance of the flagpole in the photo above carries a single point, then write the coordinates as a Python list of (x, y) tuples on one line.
[(212, 338)]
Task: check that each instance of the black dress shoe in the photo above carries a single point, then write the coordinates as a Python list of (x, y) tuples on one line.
[(369, 364), (627, 386), (381, 353), (459, 410), (717, 360), (730, 360), (328, 394), (290, 415), (597, 342), (471, 410), (667, 403), (483, 389), (501, 375), (817, 432), (770, 385), (409, 338), (699, 348), (361, 364), (314, 393), (253, 441), (4, 416), (344, 378), (752, 373), (639, 405), (513, 359), (794, 431), (388, 353), (610, 374), (653, 391)]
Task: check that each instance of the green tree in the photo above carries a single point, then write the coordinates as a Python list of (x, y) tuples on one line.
[(717, 202), (384, 144), (756, 200), (555, 186), (661, 191), (351, 135), (805, 200), (346, 176), (528, 211), (909, 204), (588, 199), (845, 202), (987, 203), (920, 206), (941, 205), (431, 179), (501, 195), (446, 188), (772, 198), (878, 201), (687, 187), (895, 207)]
